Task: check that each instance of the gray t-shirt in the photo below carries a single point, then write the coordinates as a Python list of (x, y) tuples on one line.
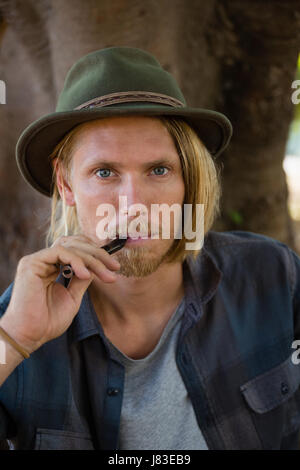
[(157, 412)]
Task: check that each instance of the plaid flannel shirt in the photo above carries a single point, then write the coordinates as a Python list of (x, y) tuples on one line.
[(234, 354)]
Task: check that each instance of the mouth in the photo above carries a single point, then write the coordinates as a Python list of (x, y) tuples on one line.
[(136, 236), (137, 241), (139, 238), (129, 237)]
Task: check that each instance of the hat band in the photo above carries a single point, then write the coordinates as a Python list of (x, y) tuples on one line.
[(129, 97)]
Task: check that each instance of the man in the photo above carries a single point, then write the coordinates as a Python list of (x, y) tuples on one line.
[(157, 346)]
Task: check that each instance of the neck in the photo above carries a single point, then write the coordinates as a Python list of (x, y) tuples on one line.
[(138, 300)]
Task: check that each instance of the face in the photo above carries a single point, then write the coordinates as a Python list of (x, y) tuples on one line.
[(126, 156)]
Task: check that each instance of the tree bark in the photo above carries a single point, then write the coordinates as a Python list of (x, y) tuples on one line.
[(258, 70), (237, 57)]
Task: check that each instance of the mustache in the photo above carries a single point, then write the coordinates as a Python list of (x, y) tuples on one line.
[(134, 228)]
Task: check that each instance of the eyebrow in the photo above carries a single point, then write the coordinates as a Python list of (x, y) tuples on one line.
[(115, 164)]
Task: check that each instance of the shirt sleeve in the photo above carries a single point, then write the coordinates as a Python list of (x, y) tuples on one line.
[(7, 426), (8, 401), (8, 390), (295, 276)]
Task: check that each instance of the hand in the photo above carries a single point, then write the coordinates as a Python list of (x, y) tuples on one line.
[(41, 309)]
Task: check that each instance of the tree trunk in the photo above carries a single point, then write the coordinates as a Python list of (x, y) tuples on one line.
[(262, 50), (238, 57)]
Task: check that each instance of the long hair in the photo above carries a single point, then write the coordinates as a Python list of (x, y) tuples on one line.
[(200, 173)]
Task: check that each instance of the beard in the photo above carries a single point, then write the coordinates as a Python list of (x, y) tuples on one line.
[(138, 262)]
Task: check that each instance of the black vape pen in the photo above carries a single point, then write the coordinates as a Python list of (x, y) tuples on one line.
[(111, 247)]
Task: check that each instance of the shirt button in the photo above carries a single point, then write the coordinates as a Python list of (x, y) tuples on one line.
[(112, 391), (284, 388)]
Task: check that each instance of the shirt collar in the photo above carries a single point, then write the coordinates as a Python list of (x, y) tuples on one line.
[(201, 277)]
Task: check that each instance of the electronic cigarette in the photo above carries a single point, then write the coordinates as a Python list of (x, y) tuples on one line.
[(111, 248)]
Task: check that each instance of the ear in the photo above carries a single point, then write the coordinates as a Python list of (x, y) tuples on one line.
[(62, 183)]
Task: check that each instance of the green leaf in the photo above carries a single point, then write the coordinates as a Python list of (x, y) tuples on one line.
[(236, 217)]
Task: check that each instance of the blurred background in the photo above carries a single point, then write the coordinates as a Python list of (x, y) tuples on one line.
[(239, 57)]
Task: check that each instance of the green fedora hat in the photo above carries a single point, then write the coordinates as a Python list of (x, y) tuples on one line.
[(116, 81)]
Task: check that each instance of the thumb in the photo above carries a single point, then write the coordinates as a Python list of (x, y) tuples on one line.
[(77, 287)]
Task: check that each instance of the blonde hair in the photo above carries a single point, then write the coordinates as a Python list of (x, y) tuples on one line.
[(200, 174)]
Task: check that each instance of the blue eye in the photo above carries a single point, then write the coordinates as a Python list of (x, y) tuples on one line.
[(160, 173), (105, 172)]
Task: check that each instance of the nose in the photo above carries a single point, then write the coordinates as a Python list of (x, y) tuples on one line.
[(132, 192), (133, 189)]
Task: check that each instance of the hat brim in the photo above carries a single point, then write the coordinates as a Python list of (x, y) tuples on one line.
[(38, 140)]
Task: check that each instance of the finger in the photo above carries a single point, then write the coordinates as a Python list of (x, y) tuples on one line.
[(81, 243), (64, 240), (96, 266), (63, 256), (50, 279), (100, 254), (77, 288), (81, 262)]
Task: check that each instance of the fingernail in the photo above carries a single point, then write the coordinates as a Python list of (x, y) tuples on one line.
[(117, 264)]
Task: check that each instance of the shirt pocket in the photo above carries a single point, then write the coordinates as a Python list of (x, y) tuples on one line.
[(273, 400), (55, 439)]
